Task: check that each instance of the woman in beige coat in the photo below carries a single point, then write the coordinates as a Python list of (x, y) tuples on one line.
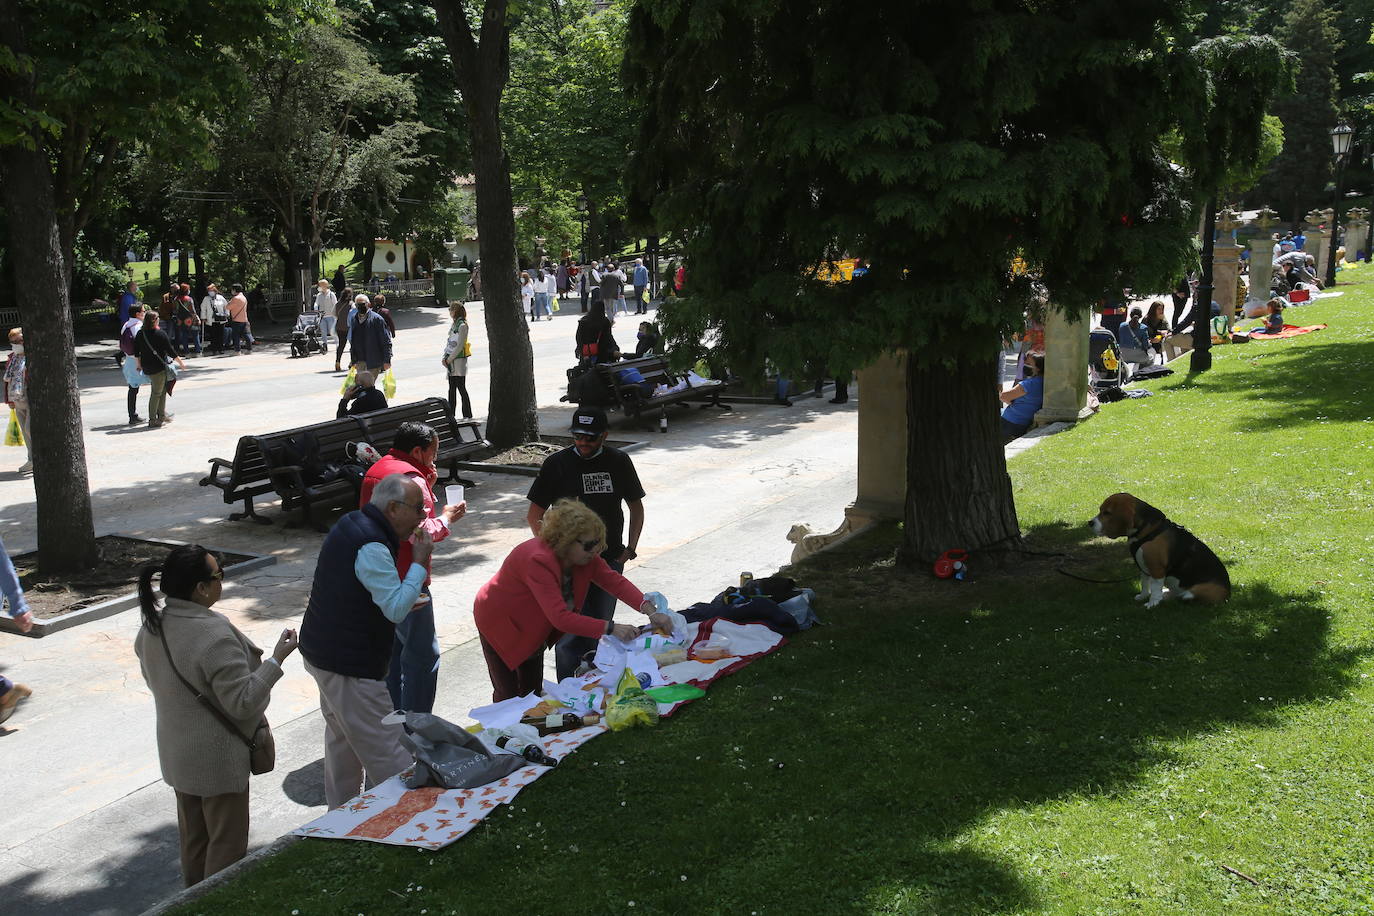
[(201, 759)]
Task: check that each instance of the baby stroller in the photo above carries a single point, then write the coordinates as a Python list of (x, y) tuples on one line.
[(1106, 368), (306, 337)]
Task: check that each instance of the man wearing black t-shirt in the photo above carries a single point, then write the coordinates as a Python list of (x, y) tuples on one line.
[(601, 477)]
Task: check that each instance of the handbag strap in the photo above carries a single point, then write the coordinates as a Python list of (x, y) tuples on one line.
[(202, 698)]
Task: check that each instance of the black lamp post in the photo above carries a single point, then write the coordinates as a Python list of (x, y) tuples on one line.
[(582, 204), (1341, 135)]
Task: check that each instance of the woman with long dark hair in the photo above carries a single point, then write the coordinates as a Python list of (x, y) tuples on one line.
[(155, 355), (455, 360), (343, 317), (192, 659), (593, 337)]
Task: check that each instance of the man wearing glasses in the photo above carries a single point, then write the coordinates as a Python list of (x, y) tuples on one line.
[(346, 638), (602, 477)]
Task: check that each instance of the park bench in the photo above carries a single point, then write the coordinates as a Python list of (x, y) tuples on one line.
[(458, 439), (294, 482), (264, 464), (635, 401)]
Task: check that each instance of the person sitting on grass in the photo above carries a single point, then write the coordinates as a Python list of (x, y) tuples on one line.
[(1023, 400), (362, 397), (1273, 322)]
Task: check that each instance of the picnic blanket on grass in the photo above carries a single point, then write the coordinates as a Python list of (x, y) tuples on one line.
[(432, 817), (1289, 330)]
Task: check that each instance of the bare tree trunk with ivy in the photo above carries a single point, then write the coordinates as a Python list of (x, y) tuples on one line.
[(66, 533), (481, 64)]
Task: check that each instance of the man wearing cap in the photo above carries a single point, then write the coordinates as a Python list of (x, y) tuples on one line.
[(602, 477)]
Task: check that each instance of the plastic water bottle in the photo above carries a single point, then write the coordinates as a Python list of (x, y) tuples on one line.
[(663, 424)]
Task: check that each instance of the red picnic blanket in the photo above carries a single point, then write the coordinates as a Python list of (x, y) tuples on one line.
[(1289, 330)]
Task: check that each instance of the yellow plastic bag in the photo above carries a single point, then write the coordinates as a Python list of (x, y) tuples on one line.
[(13, 435), (631, 705), (350, 380), (389, 385)]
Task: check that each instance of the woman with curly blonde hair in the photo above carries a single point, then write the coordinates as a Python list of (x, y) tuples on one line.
[(531, 601)]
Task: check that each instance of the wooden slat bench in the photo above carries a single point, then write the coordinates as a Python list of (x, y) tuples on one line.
[(634, 401), (458, 439), (260, 465), (288, 479)]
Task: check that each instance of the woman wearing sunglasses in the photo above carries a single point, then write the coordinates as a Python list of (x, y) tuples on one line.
[(530, 602), (192, 656)]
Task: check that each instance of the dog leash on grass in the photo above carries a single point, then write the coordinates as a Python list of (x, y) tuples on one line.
[(1130, 578), (1060, 568)]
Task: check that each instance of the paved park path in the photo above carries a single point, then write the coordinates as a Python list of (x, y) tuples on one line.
[(89, 827)]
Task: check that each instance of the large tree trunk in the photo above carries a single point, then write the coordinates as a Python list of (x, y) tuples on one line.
[(1201, 358), (482, 71), (511, 415), (66, 533), (958, 493)]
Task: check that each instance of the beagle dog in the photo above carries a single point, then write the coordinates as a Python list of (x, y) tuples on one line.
[(1167, 554)]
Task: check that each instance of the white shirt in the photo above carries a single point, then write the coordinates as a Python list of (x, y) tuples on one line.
[(213, 304)]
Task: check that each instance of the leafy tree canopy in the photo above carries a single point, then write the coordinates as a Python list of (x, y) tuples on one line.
[(938, 142)]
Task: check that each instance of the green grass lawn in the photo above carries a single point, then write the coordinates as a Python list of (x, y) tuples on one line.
[(333, 257), (1019, 743)]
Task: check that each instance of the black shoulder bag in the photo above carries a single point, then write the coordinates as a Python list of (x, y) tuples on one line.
[(262, 747)]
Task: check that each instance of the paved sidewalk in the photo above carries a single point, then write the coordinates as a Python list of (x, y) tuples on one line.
[(90, 827)]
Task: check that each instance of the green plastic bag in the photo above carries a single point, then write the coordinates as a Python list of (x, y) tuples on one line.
[(674, 693), (350, 380), (631, 705), (389, 385)]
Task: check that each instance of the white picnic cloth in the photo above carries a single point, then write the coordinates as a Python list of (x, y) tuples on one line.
[(432, 818)]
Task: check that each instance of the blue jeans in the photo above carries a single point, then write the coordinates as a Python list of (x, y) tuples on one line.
[(568, 651), (541, 305), (188, 338), (413, 677), (241, 335)]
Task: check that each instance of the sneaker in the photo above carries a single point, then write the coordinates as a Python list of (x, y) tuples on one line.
[(26, 467), (166, 418), (135, 420), (839, 400), (11, 700), (154, 424)]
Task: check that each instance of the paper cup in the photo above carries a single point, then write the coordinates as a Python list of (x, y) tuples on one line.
[(453, 494)]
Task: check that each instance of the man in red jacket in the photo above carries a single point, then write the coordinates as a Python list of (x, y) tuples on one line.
[(413, 676)]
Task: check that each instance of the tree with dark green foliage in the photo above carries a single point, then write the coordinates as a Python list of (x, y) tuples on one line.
[(569, 122), (479, 50), (1297, 180), (321, 124), (78, 78), (938, 142)]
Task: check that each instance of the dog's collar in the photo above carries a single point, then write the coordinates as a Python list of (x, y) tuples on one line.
[(1138, 540)]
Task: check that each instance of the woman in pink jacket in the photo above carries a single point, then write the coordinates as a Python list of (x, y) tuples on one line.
[(529, 603)]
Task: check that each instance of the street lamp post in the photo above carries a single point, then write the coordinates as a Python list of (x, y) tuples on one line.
[(582, 204), (1341, 136)]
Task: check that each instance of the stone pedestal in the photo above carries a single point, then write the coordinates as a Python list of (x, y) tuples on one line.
[(881, 458), (882, 441), (1261, 268), (1225, 270), (1066, 368), (1262, 256)]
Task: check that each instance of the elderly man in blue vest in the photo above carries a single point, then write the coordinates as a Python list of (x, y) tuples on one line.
[(349, 626)]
